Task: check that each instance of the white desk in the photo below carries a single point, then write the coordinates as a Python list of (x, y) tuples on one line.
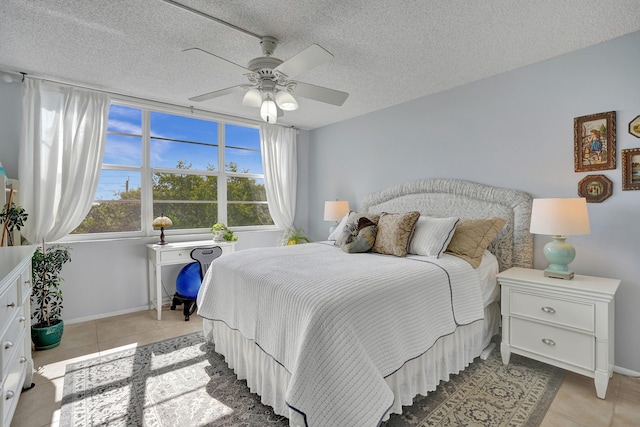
[(172, 254)]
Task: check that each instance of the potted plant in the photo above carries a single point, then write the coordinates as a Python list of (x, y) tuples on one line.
[(222, 232), (47, 326), (12, 218), (294, 236)]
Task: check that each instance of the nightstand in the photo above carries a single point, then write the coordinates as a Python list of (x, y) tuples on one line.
[(565, 323)]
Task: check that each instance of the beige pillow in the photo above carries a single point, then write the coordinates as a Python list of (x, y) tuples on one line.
[(394, 233), (472, 237)]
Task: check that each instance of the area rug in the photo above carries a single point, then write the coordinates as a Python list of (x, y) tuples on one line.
[(183, 381)]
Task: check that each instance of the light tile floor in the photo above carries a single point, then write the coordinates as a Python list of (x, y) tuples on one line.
[(575, 404)]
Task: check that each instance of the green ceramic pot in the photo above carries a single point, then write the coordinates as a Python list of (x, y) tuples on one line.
[(47, 337)]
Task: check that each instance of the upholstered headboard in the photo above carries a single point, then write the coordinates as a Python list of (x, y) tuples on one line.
[(464, 199)]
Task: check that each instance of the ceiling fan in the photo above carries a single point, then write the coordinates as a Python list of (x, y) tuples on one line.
[(270, 86)]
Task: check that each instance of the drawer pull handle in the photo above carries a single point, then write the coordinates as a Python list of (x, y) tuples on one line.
[(21, 319), (8, 344), (9, 395), (549, 310), (27, 282), (12, 304), (23, 359), (547, 341)]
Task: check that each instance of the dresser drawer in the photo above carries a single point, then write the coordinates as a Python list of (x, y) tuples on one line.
[(558, 344), (8, 304), (573, 314), (11, 342), (25, 285), (12, 387), (184, 255)]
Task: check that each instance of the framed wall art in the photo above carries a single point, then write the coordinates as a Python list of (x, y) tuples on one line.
[(634, 127), (631, 169), (595, 188), (594, 142)]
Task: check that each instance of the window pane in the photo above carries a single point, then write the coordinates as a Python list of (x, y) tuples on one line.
[(124, 136), (246, 189), (123, 150), (125, 120), (185, 215), (183, 142), (245, 214), (242, 149), (116, 204), (169, 186)]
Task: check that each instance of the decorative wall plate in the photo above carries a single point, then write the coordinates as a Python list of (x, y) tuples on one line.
[(634, 127), (595, 188)]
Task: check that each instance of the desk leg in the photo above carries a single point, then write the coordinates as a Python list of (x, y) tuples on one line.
[(159, 291)]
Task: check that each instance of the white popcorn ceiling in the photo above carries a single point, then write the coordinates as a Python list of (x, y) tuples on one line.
[(386, 52)]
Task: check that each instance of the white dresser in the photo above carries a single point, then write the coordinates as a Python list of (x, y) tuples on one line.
[(172, 254), (565, 323), (16, 364)]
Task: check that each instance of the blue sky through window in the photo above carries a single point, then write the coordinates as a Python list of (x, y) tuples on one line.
[(173, 138)]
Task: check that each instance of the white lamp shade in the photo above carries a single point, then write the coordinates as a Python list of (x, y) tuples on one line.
[(335, 210), (286, 101), (560, 217), (269, 111), (253, 98)]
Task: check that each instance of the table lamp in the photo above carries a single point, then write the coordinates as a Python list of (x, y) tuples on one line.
[(559, 218), (334, 211), (162, 222)]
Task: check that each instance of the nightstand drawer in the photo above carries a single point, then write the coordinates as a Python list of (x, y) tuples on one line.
[(558, 344), (558, 311)]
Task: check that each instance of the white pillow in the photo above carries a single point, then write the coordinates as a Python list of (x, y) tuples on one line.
[(432, 236), (338, 231)]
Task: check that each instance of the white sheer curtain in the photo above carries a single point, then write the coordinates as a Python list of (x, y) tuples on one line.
[(61, 149), (280, 164)]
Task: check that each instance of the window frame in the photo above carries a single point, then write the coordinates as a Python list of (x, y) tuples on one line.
[(146, 172)]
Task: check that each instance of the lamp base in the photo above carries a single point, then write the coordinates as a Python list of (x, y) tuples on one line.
[(559, 253), (558, 274)]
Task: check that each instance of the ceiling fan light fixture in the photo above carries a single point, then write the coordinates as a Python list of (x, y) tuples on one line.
[(286, 101), (253, 98), (269, 110)]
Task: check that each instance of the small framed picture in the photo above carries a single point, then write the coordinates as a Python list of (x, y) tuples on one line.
[(634, 127), (594, 142), (595, 188), (631, 169)]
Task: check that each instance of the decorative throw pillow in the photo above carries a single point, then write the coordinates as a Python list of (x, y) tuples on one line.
[(352, 219), (394, 233), (472, 237), (336, 233), (432, 236), (358, 237)]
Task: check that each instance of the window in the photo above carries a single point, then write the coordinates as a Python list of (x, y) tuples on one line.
[(194, 170)]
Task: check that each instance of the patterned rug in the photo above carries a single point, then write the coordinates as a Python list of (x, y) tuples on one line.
[(183, 381)]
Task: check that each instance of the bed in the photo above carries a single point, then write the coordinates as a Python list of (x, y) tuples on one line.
[(330, 338)]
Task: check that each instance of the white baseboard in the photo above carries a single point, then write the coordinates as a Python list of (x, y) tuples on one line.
[(625, 371), (165, 300)]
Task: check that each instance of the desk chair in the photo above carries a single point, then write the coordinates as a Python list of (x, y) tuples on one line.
[(204, 257)]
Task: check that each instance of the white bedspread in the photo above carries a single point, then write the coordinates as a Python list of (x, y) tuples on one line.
[(338, 322)]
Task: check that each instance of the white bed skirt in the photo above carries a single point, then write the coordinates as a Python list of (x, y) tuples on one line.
[(265, 377)]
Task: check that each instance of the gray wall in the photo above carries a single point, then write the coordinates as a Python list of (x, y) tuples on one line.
[(513, 130)]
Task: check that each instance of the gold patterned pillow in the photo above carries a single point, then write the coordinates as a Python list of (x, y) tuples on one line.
[(394, 233), (472, 237)]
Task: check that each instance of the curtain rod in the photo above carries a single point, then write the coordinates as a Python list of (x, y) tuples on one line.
[(190, 108)]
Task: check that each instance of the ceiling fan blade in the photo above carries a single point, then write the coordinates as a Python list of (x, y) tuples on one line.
[(203, 55), (311, 57), (219, 93), (319, 93)]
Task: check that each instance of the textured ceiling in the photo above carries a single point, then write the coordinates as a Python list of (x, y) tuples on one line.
[(385, 52)]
